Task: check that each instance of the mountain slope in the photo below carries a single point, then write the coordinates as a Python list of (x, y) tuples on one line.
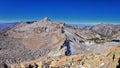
[(46, 44), (105, 29)]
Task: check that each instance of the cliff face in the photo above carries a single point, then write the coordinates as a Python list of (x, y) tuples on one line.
[(47, 44)]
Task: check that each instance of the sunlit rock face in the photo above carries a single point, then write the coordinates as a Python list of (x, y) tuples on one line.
[(116, 36), (26, 42), (47, 44), (38, 34)]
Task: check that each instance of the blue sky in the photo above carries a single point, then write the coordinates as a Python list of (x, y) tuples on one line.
[(70, 11)]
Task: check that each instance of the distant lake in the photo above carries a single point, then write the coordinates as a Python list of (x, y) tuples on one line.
[(114, 40)]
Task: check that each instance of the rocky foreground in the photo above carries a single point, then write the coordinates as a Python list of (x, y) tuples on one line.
[(47, 44)]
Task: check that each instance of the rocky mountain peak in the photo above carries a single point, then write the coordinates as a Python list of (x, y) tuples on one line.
[(46, 19)]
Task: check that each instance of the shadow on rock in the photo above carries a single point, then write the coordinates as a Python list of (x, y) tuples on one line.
[(118, 66)]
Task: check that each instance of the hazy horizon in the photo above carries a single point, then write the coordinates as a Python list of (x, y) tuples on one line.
[(75, 23)]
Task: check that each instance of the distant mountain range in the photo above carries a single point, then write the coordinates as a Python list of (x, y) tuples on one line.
[(104, 29), (5, 25)]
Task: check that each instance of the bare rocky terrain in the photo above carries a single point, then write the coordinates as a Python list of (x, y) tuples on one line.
[(105, 29), (47, 44)]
